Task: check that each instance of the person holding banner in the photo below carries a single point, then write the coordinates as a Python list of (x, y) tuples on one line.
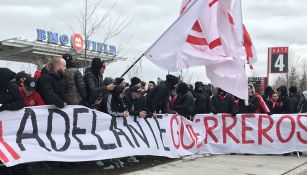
[(222, 102), (158, 98), (184, 104), (135, 102), (11, 100)]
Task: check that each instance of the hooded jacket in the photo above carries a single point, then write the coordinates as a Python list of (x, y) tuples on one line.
[(115, 106), (221, 103), (184, 104), (94, 85), (201, 100), (10, 99)]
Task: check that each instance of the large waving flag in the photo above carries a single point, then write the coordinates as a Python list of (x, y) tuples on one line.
[(210, 33)]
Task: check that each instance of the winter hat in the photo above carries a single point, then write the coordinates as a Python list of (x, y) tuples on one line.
[(293, 89), (6, 75), (283, 91), (135, 81), (116, 91), (69, 60), (107, 81), (119, 80), (135, 89), (172, 80), (30, 84), (182, 88), (97, 64), (268, 90)]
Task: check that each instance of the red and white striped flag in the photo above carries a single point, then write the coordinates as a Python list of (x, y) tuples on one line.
[(210, 33)]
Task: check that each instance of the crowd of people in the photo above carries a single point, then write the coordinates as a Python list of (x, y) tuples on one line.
[(61, 83)]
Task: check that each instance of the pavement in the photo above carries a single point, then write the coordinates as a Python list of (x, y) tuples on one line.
[(232, 165)]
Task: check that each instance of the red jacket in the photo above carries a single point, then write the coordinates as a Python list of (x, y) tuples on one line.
[(34, 99)]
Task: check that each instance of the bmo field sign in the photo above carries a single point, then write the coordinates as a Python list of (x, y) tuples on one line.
[(278, 59)]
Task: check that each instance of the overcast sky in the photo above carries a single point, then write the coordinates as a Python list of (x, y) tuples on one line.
[(270, 23)]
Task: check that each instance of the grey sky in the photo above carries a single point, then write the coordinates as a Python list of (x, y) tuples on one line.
[(270, 23)]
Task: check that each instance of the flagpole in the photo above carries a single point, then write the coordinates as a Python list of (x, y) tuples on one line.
[(132, 65), (159, 38)]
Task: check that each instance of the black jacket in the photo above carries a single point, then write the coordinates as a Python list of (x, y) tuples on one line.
[(51, 87), (201, 102), (10, 98), (286, 107), (184, 104), (238, 106), (221, 105), (294, 102), (134, 106), (94, 86), (158, 98), (253, 104)]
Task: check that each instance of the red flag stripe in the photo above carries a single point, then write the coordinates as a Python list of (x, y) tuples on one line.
[(215, 43), (247, 43), (196, 27), (230, 18), (7, 146), (185, 6), (196, 40), (213, 2)]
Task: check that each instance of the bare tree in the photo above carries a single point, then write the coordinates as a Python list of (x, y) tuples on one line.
[(94, 17)]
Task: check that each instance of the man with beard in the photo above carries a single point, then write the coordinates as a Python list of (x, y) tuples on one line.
[(52, 84)]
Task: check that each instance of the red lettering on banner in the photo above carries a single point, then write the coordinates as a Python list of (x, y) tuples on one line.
[(196, 135), (174, 117), (301, 125), (263, 132), (13, 153), (186, 147), (226, 129), (245, 128), (279, 122), (210, 129)]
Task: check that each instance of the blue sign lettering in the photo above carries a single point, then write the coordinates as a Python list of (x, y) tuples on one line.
[(64, 40), (112, 50), (53, 38), (41, 35)]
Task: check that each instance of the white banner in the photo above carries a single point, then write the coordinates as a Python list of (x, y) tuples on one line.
[(76, 133)]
